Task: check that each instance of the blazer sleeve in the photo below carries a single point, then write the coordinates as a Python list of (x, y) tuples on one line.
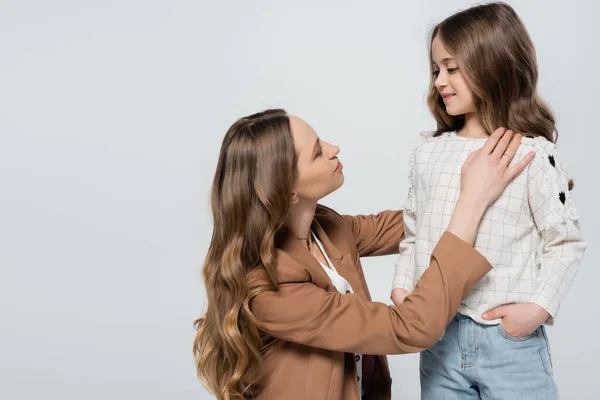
[(377, 234), (301, 312)]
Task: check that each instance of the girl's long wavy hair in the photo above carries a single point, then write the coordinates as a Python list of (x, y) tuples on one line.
[(497, 58), (250, 201)]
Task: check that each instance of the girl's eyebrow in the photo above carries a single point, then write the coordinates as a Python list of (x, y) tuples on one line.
[(444, 60)]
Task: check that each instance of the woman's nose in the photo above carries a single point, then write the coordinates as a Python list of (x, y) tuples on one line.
[(334, 151)]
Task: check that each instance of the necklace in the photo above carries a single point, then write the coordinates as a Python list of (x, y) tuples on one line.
[(309, 242)]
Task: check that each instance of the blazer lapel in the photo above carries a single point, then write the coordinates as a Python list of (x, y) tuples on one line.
[(343, 263), (299, 253)]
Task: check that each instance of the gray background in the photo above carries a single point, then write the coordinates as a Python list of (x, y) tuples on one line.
[(111, 116)]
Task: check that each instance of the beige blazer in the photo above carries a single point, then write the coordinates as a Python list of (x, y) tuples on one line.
[(312, 332)]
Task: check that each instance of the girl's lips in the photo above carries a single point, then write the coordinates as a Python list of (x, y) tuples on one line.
[(339, 167)]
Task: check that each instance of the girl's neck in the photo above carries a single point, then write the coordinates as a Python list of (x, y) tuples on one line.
[(473, 127)]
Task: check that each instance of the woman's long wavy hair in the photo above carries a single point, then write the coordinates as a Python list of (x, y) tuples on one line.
[(497, 58), (251, 196)]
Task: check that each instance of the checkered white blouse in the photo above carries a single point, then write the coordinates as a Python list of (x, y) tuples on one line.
[(530, 234)]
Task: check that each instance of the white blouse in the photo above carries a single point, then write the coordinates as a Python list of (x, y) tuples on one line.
[(342, 285), (531, 233)]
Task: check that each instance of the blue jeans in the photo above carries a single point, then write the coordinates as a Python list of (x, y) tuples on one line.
[(475, 361)]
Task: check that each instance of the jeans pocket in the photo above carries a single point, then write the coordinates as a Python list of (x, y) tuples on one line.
[(545, 352), (515, 338)]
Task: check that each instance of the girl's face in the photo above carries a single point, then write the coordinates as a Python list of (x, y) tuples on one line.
[(319, 170), (450, 82)]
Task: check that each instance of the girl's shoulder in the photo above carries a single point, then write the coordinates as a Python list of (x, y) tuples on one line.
[(548, 166), (537, 144), (428, 140), (547, 156), (445, 142), (430, 137)]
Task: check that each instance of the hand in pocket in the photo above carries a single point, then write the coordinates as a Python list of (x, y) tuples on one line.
[(518, 320)]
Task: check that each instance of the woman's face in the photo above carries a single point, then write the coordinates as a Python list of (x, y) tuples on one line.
[(319, 170)]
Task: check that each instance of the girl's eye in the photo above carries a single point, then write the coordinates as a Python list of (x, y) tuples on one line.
[(452, 70), (435, 72)]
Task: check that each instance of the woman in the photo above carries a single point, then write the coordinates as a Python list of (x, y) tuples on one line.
[(289, 313)]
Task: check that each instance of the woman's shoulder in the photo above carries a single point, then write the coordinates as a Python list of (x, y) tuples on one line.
[(288, 269), (325, 212), (335, 225)]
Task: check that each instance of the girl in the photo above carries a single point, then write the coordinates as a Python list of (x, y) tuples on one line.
[(484, 74), (289, 313)]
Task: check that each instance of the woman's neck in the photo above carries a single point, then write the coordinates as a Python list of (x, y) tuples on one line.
[(300, 219), (473, 127)]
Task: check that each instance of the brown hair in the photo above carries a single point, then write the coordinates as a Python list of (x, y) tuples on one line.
[(250, 201), (496, 56)]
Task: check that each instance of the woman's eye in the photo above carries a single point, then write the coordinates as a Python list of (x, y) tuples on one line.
[(435, 72), (452, 70)]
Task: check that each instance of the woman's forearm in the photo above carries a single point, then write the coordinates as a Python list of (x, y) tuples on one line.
[(466, 218), (484, 176)]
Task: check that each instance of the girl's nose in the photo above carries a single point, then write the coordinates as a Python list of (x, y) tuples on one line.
[(440, 82)]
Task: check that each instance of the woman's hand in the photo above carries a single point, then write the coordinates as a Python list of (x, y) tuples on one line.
[(484, 177), (485, 173)]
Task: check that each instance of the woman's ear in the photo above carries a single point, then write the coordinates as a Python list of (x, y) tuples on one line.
[(295, 198)]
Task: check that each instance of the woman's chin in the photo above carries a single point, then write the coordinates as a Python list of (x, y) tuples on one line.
[(340, 181)]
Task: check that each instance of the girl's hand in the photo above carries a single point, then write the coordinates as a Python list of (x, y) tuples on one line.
[(485, 173), (398, 296), (518, 320)]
